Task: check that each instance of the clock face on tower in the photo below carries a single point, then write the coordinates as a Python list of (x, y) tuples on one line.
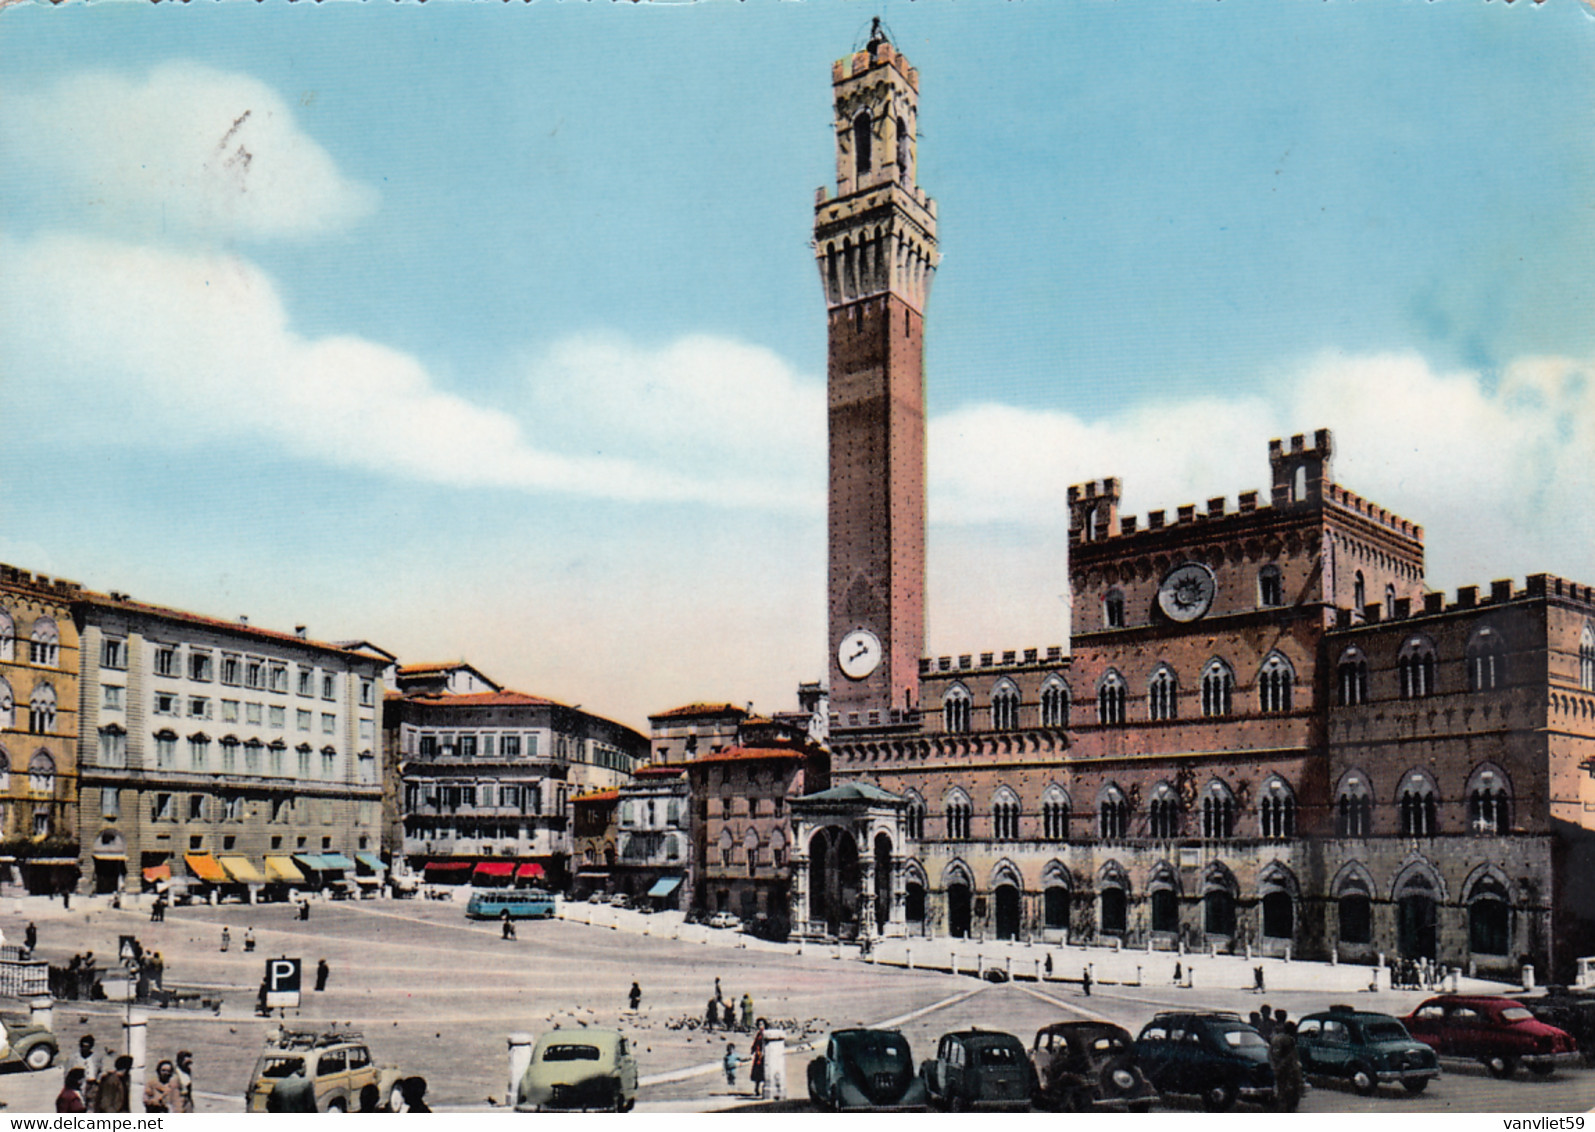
[(1187, 592), (859, 654)]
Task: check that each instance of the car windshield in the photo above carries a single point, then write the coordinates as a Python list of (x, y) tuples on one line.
[(568, 1052), (1384, 1032), (282, 1066), (877, 1053), (1240, 1038), (1515, 1014), (1001, 1055)]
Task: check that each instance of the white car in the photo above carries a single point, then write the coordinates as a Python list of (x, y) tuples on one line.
[(724, 920)]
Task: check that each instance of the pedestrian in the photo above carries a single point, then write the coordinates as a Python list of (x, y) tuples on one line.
[(756, 1070), (155, 909), (747, 1011), (70, 1098), (635, 996), (507, 925), (260, 999), (1085, 979), (227, 939), (1267, 1028), (1286, 1064), (717, 995), (711, 1014), (114, 1087), (88, 1060), (1257, 978), (185, 1081), (66, 903), (1179, 973), (1046, 965), (30, 937), (162, 1092), (249, 939), (414, 1090), (371, 1099), (322, 971), (1280, 1019), (294, 1093), (730, 1063)]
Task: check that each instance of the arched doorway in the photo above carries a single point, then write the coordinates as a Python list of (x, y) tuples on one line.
[(1417, 913), (883, 881), (1165, 911), (833, 879), (110, 861), (1115, 911), (1279, 916), (1218, 917), (1055, 907), (1007, 911), (959, 909)]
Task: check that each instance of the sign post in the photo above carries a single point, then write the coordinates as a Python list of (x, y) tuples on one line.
[(282, 983)]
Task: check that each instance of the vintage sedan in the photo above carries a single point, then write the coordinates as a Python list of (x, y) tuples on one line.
[(979, 1069), (30, 1045), (1567, 1009), (1364, 1048), (1496, 1030), (866, 1071), (1212, 1055), (1085, 1066), (584, 1068)]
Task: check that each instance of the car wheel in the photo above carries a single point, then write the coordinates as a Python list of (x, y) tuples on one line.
[(337, 1104), (1415, 1086), (1141, 1106), (1219, 1098), (1363, 1081), (1501, 1067), (1542, 1069), (958, 1102), (39, 1057)]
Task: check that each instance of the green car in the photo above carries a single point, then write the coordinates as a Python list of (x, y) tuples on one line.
[(1364, 1048), (30, 1045), (579, 1069)]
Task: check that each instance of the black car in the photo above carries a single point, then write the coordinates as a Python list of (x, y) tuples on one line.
[(1364, 1048), (979, 1069), (866, 1071), (1083, 1066), (1215, 1056)]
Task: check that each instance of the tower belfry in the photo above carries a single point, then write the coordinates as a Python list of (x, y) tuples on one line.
[(875, 242)]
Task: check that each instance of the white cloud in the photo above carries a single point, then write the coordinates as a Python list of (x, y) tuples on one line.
[(188, 150), (158, 346)]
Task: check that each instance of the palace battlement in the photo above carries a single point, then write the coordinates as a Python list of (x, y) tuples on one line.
[(11, 575), (1500, 592), (1009, 658)]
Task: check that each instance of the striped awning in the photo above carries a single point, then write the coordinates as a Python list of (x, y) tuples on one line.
[(204, 866), (282, 868), (241, 870), (371, 861)]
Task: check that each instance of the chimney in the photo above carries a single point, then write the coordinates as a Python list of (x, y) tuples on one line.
[(243, 618), (299, 631)]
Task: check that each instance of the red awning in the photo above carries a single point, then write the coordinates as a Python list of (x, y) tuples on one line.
[(446, 866), (531, 869), (495, 869), (153, 873)]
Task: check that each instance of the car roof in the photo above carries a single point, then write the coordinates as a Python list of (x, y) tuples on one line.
[(1354, 1013), (1471, 1000), (1082, 1028), (1198, 1016), (580, 1035), (984, 1037)]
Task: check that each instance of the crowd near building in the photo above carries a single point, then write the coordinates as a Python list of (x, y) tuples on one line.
[(1266, 732)]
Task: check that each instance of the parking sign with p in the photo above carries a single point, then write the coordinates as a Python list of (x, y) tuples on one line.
[(282, 983)]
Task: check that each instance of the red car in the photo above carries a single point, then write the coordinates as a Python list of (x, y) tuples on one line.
[(1497, 1031)]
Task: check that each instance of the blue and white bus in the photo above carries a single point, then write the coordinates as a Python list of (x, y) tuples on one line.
[(520, 903)]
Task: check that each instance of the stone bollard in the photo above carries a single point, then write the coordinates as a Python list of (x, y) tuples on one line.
[(1248, 951), (1454, 979), (775, 1064), (1008, 967), (980, 965), (908, 958), (1528, 976), (1334, 955), (1118, 942), (1287, 950), (1138, 974), (520, 1045), (41, 1011), (1381, 959), (1038, 969), (135, 1039), (1149, 943), (1212, 951)]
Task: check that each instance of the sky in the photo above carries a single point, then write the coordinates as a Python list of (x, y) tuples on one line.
[(492, 331)]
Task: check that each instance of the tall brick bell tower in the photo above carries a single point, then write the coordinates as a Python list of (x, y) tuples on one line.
[(875, 242)]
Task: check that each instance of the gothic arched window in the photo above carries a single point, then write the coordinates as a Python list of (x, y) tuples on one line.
[(955, 710), (1275, 682), (862, 138), (1416, 664), (1486, 661), (914, 816), (1420, 806), (1351, 678), (1276, 809), (1353, 807), (41, 775), (1586, 660), (1218, 811), (1054, 814), (1110, 699), (1163, 812), (1113, 610), (1162, 694), (1218, 688), (41, 709), (1054, 703), (1113, 813), (1489, 802), (958, 811), (1270, 586), (1359, 593), (44, 642), (1005, 815), (1005, 707)]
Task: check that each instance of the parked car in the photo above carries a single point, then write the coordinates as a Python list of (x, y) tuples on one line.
[(724, 920), (979, 1069), (579, 1069), (1364, 1048), (31, 1045), (1499, 1031), (337, 1065), (1569, 1010), (866, 1071), (621, 900), (1082, 1066), (597, 898), (1215, 1056)]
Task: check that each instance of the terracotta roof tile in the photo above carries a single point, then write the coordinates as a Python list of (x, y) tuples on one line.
[(660, 770), (598, 796), (106, 601), (750, 754), (700, 709), (481, 699)]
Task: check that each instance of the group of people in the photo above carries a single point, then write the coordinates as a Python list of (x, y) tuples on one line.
[(249, 938), (722, 1014), (86, 1088), (78, 981), (1280, 1033), (755, 1059), (1415, 974)]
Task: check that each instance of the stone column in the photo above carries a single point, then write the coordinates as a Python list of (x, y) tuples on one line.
[(775, 1064), (135, 1038), (520, 1049)]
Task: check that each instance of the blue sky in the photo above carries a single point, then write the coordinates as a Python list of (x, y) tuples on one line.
[(493, 330)]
